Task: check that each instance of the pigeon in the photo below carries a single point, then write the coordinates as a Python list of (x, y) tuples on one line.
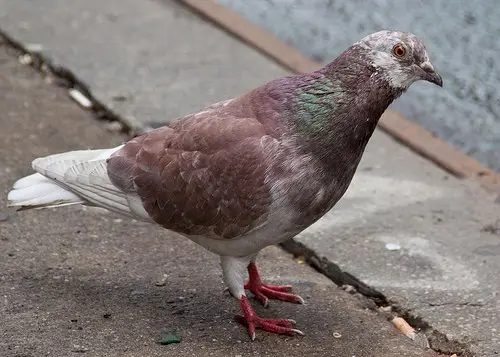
[(247, 172)]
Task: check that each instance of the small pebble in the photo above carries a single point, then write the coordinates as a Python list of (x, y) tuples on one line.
[(34, 47), (26, 59), (162, 281), (114, 126), (421, 340), (392, 246), (349, 288), (4, 218), (385, 308), (79, 349)]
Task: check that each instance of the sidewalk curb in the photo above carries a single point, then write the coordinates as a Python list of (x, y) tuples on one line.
[(405, 131)]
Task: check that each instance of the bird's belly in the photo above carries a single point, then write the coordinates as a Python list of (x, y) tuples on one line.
[(289, 215), (277, 228)]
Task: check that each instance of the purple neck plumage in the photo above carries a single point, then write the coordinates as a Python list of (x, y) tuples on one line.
[(334, 111)]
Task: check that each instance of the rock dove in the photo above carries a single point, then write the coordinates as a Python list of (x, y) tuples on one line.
[(248, 172)]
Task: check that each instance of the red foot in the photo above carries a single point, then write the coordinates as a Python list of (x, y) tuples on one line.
[(263, 292), (252, 321)]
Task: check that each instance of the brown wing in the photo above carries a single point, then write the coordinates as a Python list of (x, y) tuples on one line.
[(202, 175)]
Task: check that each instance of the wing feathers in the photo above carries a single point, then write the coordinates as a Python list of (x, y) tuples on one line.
[(75, 177)]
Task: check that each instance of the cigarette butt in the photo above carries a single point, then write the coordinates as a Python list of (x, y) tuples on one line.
[(402, 325), (81, 99)]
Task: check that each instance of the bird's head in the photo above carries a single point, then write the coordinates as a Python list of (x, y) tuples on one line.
[(400, 58)]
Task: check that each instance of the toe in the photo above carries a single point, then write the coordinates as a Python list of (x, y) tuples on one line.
[(282, 330), (282, 288), (278, 295), (281, 322), (263, 299), (297, 332), (299, 300)]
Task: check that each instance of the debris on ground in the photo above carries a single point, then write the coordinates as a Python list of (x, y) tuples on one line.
[(492, 228), (26, 59), (80, 98), (79, 349), (162, 281), (405, 328), (392, 246), (387, 308), (34, 47), (349, 288), (114, 126), (169, 336)]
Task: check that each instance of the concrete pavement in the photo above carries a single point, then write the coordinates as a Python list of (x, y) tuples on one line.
[(75, 281), (446, 229), (426, 240), (148, 60)]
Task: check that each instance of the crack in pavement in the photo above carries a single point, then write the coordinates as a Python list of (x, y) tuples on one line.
[(64, 77), (438, 341)]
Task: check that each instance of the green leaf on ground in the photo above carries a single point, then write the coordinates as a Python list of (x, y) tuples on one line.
[(169, 336)]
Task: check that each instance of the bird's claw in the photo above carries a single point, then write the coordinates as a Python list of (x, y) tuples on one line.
[(253, 322), (263, 292)]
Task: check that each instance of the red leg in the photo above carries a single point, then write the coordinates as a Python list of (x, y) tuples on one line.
[(252, 321), (263, 292)]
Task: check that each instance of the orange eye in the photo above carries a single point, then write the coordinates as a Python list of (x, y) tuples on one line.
[(399, 50)]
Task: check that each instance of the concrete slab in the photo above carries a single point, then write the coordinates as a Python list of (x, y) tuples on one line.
[(427, 241), (76, 281), (150, 60)]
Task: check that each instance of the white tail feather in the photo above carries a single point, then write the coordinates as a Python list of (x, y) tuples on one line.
[(37, 191), (76, 177)]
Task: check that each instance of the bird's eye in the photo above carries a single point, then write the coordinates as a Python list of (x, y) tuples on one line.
[(399, 50)]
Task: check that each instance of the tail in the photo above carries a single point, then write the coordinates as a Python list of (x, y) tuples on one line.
[(59, 179), (37, 191), (76, 177)]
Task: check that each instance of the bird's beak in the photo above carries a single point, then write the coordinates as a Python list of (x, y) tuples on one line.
[(430, 74)]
